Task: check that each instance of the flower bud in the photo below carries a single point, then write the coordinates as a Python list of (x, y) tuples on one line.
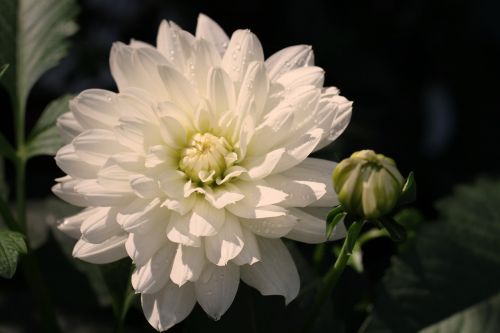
[(368, 185)]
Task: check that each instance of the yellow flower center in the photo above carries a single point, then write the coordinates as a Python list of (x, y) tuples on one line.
[(204, 159)]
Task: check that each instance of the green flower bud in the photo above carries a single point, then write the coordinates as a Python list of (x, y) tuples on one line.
[(368, 185)]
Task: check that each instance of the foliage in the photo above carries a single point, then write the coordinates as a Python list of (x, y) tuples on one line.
[(453, 266), (11, 246)]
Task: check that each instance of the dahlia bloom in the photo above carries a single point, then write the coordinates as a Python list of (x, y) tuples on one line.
[(198, 166)]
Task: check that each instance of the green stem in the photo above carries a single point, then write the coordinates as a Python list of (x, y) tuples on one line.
[(32, 272), (7, 216), (332, 276)]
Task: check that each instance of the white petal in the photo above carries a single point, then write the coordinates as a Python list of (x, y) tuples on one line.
[(73, 165), (251, 212), (250, 254), (114, 177), (205, 220), (66, 191), (309, 229), (220, 90), (178, 230), (276, 273), (180, 90), (153, 275), (141, 246), (95, 108), (188, 264), (311, 75), (273, 131), (133, 162), (320, 213), (108, 251), (289, 58), (207, 56), (244, 47), (68, 127), (100, 226), (97, 145), (340, 110), (172, 183), (145, 187), (172, 132), (160, 155), (175, 44), (298, 150), (169, 306), (137, 67), (258, 194), (312, 172), (301, 193), (273, 227), (226, 244), (223, 195), (209, 30), (260, 166), (141, 214), (71, 225), (182, 206), (216, 288), (254, 87), (97, 195)]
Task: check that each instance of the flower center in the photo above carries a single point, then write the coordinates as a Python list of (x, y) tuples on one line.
[(204, 159)]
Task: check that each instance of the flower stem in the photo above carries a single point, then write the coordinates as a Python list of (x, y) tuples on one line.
[(332, 276), (31, 268)]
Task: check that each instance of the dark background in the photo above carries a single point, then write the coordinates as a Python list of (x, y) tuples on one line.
[(423, 76)]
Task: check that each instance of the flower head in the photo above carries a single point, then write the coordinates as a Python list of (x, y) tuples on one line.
[(368, 184), (198, 166)]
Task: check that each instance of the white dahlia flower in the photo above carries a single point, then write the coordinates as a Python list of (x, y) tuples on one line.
[(198, 166)]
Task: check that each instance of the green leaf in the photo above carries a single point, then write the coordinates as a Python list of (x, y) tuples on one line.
[(454, 264), (32, 40), (482, 317), (3, 68), (44, 138), (12, 244)]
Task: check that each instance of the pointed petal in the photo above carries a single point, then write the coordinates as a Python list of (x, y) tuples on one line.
[(181, 92), (154, 274), (108, 251), (226, 244), (141, 214), (205, 219), (95, 108), (100, 226), (311, 173), (169, 306), (272, 227), (68, 127), (250, 254), (142, 246), (212, 32), (289, 58), (276, 273), (178, 230), (71, 225), (309, 229), (216, 288), (244, 47), (69, 162), (260, 166), (188, 264), (220, 90)]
